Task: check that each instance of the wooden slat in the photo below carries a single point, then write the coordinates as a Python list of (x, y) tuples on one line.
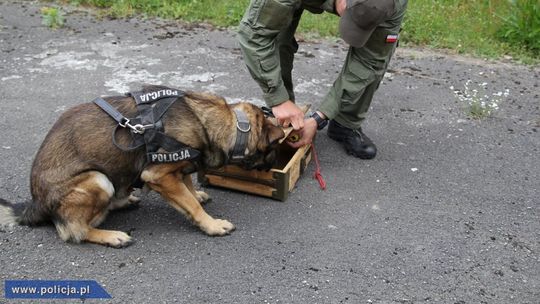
[(295, 167), (240, 185), (232, 170)]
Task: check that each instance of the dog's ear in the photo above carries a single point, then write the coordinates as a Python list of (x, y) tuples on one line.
[(274, 134)]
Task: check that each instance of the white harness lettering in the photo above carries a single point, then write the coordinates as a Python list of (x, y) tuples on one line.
[(170, 157), (158, 94)]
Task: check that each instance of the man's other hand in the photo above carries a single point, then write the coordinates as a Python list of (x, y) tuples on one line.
[(306, 134)]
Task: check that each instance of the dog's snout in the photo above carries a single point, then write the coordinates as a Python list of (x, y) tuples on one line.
[(260, 161)]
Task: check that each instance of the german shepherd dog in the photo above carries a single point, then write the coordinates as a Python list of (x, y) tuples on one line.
[(79, 175)]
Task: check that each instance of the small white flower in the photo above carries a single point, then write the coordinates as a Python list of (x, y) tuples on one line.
[(477, 96)]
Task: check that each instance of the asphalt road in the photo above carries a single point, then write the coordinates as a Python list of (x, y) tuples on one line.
[(448, 212)]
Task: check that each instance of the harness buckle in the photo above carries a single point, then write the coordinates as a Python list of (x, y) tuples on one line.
[(138, 128)]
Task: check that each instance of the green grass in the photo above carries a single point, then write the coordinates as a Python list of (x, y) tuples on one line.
[(522, 24), (483, 28), (465, 27), (52, 17), (216, 12)]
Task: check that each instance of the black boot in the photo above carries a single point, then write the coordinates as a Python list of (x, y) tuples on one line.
[(354, 141)]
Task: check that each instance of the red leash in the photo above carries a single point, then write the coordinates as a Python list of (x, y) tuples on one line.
[(317, 174)]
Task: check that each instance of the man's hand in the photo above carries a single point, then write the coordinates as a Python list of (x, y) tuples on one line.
[(341, 5), (306, 134), (289, 113)]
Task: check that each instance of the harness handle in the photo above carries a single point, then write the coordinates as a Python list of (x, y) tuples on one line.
[(113, 112)]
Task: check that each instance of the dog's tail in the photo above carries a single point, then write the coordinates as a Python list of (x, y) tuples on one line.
[(7, 214), (11, 215)]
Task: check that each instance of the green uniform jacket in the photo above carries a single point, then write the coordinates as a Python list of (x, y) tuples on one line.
[(266, 37)]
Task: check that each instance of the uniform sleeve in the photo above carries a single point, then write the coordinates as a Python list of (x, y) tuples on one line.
[(262, 22)]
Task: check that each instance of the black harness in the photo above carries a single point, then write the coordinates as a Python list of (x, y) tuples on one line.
[(147, 128)]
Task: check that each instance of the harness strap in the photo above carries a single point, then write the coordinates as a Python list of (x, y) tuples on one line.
[(243, 128), (151, 115), (142, 97), (122, 122), (112, 111), (176, 151)]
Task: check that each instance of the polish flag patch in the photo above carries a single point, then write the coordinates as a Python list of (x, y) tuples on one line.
[(392, 38)]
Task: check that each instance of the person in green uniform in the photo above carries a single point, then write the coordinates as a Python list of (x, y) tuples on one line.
[(370, 27)]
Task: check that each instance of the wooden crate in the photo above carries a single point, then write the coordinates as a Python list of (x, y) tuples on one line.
[(276, 183)]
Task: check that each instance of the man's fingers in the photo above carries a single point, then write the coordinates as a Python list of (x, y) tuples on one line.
[(288, 114), (284, 122), (298, 123)]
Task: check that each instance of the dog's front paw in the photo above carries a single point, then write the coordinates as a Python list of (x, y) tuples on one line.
[(112, 238), (202, 197), (118, 239), (217, 227)]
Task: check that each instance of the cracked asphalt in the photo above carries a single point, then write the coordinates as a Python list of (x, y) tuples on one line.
[(448, 212)]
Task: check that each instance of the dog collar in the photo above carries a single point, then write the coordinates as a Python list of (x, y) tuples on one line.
[(243, 127)]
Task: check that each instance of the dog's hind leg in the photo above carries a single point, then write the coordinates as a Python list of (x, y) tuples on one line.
[(171, 186), (84, 208)]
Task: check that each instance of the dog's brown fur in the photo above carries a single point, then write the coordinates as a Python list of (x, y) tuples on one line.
[(78, 175)]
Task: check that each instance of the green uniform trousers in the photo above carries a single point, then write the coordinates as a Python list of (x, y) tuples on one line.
[(268, 44)]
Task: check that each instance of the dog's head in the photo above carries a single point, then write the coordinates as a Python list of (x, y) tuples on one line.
[(264, 138)]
